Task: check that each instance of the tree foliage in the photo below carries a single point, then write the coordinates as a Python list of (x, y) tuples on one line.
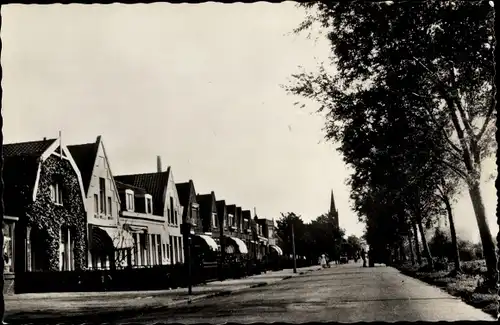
[(411, 101), (320, 236)]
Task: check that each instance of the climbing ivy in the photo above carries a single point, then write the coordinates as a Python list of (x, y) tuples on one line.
[(48, 217)]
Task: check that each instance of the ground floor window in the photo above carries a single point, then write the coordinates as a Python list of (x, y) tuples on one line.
[(8, 246), (66, 249)]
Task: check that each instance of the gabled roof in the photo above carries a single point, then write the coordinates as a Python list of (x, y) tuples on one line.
[(30, 148), (231, 209), (246, 214), (85, 156), (221, 208), (154, 183), (20, 169), (123, 186), (19, 174), (184, 192)]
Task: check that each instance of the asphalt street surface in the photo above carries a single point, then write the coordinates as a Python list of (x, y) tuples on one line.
[(342, 293)]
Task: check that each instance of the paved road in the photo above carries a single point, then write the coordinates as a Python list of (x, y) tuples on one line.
[(343, 293), (346, 293)]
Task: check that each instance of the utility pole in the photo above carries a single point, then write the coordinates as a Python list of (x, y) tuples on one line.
[(186, 232), (190, 286), (293, 250)]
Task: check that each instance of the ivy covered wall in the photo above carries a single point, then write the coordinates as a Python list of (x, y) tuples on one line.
[(48, 217)]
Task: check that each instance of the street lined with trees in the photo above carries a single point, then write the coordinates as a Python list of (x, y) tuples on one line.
[(410, 101)]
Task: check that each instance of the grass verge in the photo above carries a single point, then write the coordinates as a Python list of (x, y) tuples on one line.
[(466, 285)]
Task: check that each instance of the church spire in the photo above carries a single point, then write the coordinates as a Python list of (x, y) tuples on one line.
[(332, 205), (333, 213)]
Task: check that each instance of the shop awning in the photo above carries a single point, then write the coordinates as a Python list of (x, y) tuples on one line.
[(103, 237), (210, 242), (230, 249), (277, 249), (242, 247), (135, 228), (263, 239)]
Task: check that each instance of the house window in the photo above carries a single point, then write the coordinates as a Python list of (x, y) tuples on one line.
[(96, 204), (171, 246), (149, 204), (168, 215), (181, 256), (158, 248), (176, 221), (102, 194), (214, 220), (230, 220), (110, 206), (194, 214), (56, 193), (171, 210), (129, 198), (8, 246), (153, 245), (176, 249)]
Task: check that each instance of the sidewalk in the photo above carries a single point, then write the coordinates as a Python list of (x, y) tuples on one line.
[(78, 303)]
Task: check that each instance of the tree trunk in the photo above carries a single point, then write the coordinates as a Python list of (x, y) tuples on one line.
[(484, 231), (410, 247), (425, 246), (417, 244), (402, 250), (456, 255)]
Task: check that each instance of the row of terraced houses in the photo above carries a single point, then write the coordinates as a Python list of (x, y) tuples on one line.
[(65, 210)]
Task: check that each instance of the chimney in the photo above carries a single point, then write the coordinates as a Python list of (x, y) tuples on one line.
[(158, 164), (44, 139)]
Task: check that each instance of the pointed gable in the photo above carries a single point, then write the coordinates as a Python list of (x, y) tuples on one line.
[(85, 157), (187, 197), (208, 206), (221, 212), (21, 169), (154, 183)]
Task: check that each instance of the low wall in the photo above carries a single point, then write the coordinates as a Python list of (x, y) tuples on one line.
[(153, 278)]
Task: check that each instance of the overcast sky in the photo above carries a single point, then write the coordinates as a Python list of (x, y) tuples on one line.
[(198, 85)]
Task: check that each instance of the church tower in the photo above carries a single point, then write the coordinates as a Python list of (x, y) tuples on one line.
[(333, 213)]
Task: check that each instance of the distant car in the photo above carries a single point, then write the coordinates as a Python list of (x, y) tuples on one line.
[(343, 259)]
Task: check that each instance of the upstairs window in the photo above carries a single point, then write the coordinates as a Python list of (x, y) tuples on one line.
[(230, 218), (194, 214), (149, 204), (171, 210), (110, 207), (102, 194), (96, 204), (56, 193), (176, 219), (214, 220), (129, 200)]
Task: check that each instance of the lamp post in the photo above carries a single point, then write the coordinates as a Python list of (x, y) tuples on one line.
[(186, 231), (293, 250), (190, 287)]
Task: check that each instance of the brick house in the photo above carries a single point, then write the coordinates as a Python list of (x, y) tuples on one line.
[(160, 229), (108, 242), (45, 218), (232, 243)]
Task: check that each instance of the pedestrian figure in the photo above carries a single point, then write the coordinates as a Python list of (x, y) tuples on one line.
[(363, 256), (323, 261)]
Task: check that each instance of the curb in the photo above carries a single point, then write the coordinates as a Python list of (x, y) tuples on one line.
[(211, 295)]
